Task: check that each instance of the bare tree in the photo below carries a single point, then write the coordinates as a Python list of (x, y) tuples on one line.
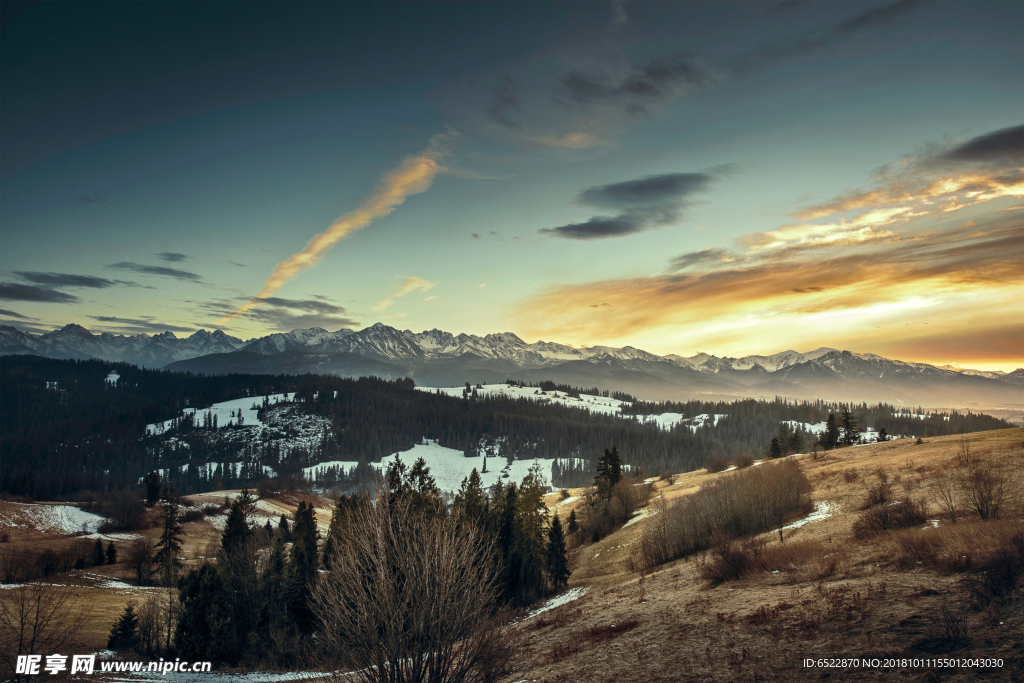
[(945, 488), (412, 598), (985, 487), (36, 619), (140, 557)]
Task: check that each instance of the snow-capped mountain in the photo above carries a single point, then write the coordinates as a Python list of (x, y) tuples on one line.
[(74, 341), (439, 358)]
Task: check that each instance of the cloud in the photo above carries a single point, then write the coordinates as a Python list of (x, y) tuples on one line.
[(68, 280), (1006, 145), (12, 314), (652, 189), (172, 256), (645, 203), (311, 305), (407, 286), (284, 315), (486, 283), (135, 325), (577, 140), (10, 291), (506, 97), (240, 265), (791, 281), (820, 39), (91, 200), (413, 176), (161, 271), (705, 256), (635, 87)]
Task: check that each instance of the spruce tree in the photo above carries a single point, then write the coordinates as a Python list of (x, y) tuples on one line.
[(557, 558), (851, 432), (775, 450), (204, 630), (283, 530), (470, 502), (303, 567), (609, 467), (574, 526), (98, 556), (124, 632), (111, 553), (830, 439), (169, 545), (337, 530)]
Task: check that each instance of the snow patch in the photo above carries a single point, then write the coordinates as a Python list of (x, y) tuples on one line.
[(559, 600)]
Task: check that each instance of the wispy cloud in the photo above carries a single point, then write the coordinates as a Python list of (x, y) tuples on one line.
[(161, 271), (68, 280), (413, 176), (172, 256), (14, 314), (407, 286), (574, 140), (145, 324)]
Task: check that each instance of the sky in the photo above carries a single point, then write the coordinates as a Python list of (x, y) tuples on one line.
[(684, 177)]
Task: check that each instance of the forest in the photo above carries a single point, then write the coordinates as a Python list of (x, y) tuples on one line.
[(67, 430)]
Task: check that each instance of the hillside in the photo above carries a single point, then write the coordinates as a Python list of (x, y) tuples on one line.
[(827, 595)]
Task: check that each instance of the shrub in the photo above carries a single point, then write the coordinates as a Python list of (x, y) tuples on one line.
[(985, 487), (727, 563), (716, 462), (744, 502), (880, 518), (744, 461), (880, 492)]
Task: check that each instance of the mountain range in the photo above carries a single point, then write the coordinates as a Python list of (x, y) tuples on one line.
[(438, 358)]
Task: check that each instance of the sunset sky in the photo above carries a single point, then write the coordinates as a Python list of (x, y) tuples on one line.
[(683, 177)]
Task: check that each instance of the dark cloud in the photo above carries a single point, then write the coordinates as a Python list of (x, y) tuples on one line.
[(310, 305), (1001, 145), (68, 280), (475, 235), (90, 200), (172, 256), (148, 325), (659, 79), (240, 265), (11, 291), (654, 189), (645, 203), (506, 97), (626, 223), (817, 40), (700, 257), (12, 314), (156, 270)]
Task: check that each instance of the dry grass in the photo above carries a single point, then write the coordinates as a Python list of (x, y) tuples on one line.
[(832, 595)]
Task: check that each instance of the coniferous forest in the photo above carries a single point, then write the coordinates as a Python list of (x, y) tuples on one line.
[(66, 429)]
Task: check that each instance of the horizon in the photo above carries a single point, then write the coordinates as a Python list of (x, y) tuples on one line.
[(672, 177), (147, 335)]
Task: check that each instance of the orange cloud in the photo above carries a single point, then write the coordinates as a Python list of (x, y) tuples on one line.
[(413, 176), (577, 140)]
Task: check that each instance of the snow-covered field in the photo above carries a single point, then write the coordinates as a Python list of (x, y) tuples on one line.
[(822, 510), (225, 412), (57, 519), (449, 466), (596, 404)]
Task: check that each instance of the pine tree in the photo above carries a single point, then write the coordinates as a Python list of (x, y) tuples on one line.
[(111, 553), (283, 530), (124, 632), (557, 559), (169, 545), (882, 434), (775, 450), (204, 630), (152, 488), (337, 530), (609, 467), (98, 557), (425, 497), (303, 567), (851, 433), (237, 531), (796, 442), (470, 504), (830, 439), (574, 526)]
